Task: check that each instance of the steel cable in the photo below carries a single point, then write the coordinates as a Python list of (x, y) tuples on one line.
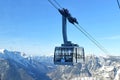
[(91, 38), (57, 4), (118, 4), (53, 4)]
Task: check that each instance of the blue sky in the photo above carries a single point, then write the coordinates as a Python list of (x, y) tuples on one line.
[(34, 26)]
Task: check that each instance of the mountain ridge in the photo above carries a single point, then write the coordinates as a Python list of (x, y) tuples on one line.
[(18, 66), (23, 67)]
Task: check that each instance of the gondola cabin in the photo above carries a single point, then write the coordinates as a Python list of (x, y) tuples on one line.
[(68, 55)]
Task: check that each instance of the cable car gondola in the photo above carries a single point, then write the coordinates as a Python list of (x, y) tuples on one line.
[(68, 53)]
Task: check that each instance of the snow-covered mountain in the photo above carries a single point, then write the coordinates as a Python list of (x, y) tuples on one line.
[(15, 65), (95, 68)]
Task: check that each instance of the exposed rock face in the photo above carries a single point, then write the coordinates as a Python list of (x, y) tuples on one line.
[(16, 66), (95, 68)]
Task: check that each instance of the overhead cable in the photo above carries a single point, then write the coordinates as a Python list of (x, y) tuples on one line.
[(57, 3), (118, 3), (91, 38), (53, 4)]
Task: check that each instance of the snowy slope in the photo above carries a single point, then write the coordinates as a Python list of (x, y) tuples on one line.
[(34, 67), (95, 68), (117, 77), (14, 56), (42, 67)]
